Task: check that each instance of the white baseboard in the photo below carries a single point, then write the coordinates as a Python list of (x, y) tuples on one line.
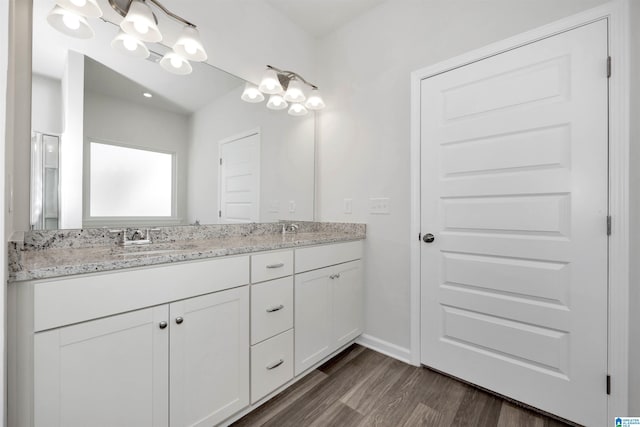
[(385, 347)]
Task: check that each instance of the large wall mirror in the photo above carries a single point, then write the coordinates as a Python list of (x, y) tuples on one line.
[(118, 140)]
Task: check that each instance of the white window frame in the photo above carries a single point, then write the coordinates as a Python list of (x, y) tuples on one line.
[(128, 221)]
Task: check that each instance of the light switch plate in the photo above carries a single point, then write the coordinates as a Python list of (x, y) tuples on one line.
[(379, 205), (292, 206), (348, 206)]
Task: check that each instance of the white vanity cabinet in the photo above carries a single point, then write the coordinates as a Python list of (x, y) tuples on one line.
[(106, 372), (195, 343), (84, 357), (116, 371), (328, 301), (209, 358)]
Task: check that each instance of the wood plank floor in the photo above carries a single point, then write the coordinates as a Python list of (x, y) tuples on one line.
[(360, 387)]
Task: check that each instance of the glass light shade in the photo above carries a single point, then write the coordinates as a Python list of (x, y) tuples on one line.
[(189, 45), (314, 102), (297, 110), (277, 102), (174, 63), (141, 23), (251, 93), (270, 83), (69, 23), (294, 92), (86, 8), (129, 45)]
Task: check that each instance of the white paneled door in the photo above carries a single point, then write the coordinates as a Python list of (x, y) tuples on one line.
[(514, 193), (239, 179)]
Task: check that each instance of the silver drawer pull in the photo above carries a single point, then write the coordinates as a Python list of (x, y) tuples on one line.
[(274, 365), (276, 308), (278, 265), (334, 276)]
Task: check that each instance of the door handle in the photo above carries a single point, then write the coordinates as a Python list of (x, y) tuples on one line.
[(428, 238)]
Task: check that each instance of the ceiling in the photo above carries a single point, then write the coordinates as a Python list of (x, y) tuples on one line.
[(320, 17)]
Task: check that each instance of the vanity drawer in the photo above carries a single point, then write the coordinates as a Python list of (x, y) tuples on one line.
[(271, 364), (271, 265), (322, 256), (271, 308)]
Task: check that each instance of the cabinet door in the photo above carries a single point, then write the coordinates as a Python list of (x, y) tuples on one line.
[(313, 335), (105, 372), (348, 302), (209, 356)]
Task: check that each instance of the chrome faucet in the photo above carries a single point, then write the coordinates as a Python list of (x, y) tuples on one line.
[(289, 228), (138, 237)]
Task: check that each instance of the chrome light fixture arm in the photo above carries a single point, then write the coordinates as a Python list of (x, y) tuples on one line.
[(122, 7), (288, 75)]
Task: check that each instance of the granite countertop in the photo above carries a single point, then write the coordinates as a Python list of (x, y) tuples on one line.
[(44, 262)]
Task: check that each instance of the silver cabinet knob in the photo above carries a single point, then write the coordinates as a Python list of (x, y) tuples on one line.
[(179, 320), (163, 324)]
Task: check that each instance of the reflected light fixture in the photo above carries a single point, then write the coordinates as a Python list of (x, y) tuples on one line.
[(284, 87), (139, 25), (251, 93)]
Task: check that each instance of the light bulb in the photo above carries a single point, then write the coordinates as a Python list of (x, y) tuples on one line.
[(270, 84), (297, 110), (176, 62), (79, 3), (251, 93), (71, 21), (129, 44), (276, 102), (191, 48), (141, 26), (189, 45)]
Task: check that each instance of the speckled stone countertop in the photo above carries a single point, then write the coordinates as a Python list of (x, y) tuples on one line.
[(50, 254)]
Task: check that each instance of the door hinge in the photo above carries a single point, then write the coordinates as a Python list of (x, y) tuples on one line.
[(608, 384), (220, 160), (608, 67), (219, 214), (608, 225), (419, 237)]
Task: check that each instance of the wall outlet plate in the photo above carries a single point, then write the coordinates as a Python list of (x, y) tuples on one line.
[(292, 206), (379, 205)]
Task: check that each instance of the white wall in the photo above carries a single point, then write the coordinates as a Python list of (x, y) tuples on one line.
[(71, 142), (243, 36), (365, 129), (46, 104), (109, 119), (4, 64), (286, 163), (634, 192)]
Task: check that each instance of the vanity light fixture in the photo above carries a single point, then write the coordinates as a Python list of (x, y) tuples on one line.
[(284, 87), (139, 25)]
